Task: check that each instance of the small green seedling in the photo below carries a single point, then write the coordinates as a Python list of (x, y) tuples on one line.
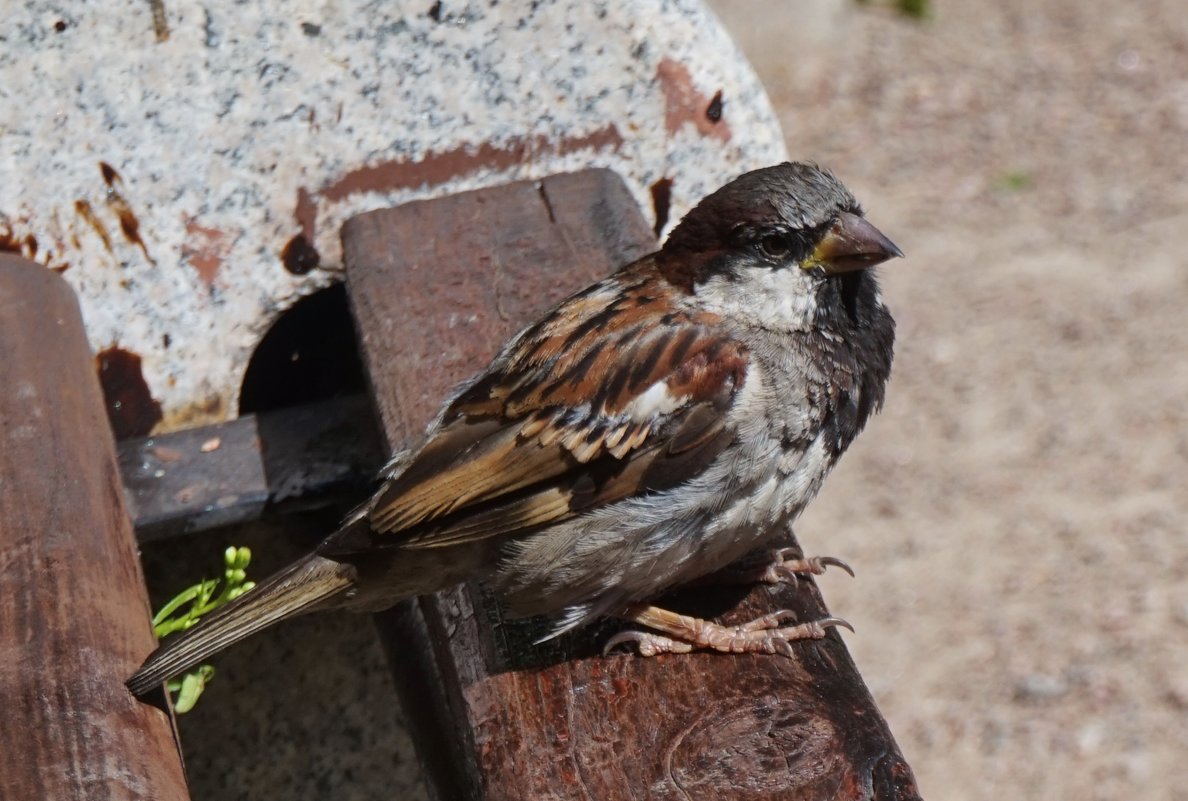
[(187, 608), (915, 9), (1014, 181)]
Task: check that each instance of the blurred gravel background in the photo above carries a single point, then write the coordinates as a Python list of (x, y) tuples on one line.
[(1018, 515)]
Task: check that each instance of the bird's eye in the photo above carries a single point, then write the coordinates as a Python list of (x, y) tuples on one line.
[(775, 246)]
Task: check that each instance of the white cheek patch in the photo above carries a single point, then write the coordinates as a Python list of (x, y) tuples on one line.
[(656, 400), (785, 296), (772, 298)]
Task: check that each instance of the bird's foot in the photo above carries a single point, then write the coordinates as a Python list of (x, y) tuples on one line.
[(781, 566), (786, 565), (682, 634)]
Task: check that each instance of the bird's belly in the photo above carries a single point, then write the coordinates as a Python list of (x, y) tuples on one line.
[(751, 519), (636, 549)]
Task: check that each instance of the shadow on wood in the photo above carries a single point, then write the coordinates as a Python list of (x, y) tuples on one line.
[(436, 287)]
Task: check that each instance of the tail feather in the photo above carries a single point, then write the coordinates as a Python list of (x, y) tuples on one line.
[(299, 588)]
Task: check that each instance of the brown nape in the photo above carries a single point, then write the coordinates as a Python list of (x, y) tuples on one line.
[(684, 269)]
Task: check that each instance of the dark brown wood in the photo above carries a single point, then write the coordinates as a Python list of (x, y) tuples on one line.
[(280, 461), (195, 479), (436, 287), (74, 621)]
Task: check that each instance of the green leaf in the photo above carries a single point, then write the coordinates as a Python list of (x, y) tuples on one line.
[(187, 608), (168, 609), (190, 687)]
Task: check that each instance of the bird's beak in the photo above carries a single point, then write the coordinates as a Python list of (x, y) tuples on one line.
[(852, 244)]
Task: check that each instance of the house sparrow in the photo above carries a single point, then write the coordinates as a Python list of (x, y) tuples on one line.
[(649, 430)]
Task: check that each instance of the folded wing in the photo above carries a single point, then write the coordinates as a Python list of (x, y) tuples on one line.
[(612, 395)]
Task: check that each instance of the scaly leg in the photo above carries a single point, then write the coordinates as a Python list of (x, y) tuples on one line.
[(764, 635)]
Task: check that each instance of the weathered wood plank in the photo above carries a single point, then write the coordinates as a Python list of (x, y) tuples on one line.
[(195, 479), (233, 472), (74, 621), (436, 287)]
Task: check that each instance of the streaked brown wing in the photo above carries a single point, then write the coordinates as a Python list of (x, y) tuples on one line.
[(605, 398)]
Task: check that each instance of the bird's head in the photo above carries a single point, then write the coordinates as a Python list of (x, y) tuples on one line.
[(781, 246)]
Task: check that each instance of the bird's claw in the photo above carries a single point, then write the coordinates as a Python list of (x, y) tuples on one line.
[(835, 562), (787, 565), (826, 622)]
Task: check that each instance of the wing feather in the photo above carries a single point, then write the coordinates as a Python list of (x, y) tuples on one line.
[(613, 394)]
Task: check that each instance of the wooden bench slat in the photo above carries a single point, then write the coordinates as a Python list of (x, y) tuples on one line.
[(298, 458), (74, 620)]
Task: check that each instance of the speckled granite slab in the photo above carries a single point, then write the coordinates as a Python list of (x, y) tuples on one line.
[(188, 166)]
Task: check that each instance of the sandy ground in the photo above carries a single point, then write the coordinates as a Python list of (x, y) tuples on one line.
[(1018, 515)]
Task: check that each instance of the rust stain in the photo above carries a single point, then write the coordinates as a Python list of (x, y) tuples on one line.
[(202, 412), (438, 168), (299, 256), (160, 24), (58, 265), (713, 112), (84, 210), (683, 104), (129, 225), (9, 243), (205, 249), (131, 407), (26, 245), (661, 202), (110, 176), (307, 213)]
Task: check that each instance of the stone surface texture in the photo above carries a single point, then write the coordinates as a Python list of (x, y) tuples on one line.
[(185, 170)]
